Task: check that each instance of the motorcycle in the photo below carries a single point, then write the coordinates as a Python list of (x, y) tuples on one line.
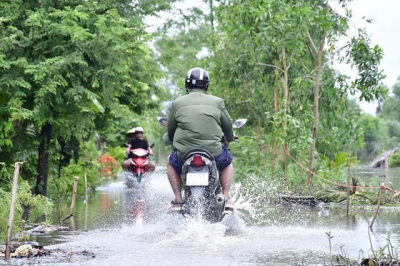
[(138, 167), (202, 192)]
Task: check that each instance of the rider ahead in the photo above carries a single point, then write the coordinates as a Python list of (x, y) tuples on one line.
[(197, 120), (136, 142)]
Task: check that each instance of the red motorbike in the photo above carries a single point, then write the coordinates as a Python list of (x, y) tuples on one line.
[(138, 168)]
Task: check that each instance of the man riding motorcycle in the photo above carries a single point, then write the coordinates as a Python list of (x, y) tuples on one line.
[(197, 120), (135, 142)]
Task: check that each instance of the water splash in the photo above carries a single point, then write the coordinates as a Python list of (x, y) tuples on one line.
[(234, 224), (195, 233), (114, 186), (248, 196), (243, 200), (256, 233)]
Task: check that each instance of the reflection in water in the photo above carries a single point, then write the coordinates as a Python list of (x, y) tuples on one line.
[(138, 227), (390, 177), (113, 205), (135, 206)]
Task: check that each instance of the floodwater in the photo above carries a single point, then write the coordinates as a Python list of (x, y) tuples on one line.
[(133, 227)]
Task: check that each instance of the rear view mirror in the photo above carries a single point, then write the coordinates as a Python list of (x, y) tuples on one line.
[(162, 120), (239, 123)]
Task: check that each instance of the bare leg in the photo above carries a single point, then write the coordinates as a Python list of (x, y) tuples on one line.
[(126, 164), (226, 181), (175, 181), (152, 166)]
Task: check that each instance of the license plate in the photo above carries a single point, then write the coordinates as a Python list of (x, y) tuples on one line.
[(197, 179)]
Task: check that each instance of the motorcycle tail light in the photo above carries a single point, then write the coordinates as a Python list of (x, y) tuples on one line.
[(197, 161)]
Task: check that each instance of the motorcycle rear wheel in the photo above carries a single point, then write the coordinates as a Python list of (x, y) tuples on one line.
[(201, 204)]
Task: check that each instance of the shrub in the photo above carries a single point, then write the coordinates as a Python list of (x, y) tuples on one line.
[(118, 153), (394, 160), (108, 166), (39, 207)]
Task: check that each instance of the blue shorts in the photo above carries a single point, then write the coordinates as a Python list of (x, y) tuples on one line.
[(222, 160)]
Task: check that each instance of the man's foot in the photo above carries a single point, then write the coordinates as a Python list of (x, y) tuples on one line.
[(176, 206), (229, 205)]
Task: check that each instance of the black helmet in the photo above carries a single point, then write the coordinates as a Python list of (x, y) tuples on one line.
[(197, 78)]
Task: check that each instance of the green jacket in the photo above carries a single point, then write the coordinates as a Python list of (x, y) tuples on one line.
[(197, 120)]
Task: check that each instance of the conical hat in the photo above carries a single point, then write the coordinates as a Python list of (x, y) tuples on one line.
[(139, 129), (131, 131)]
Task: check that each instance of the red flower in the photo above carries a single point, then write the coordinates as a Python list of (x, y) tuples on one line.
[(108, 165)]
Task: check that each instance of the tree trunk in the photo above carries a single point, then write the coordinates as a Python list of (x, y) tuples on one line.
[(276, 110), (74, 192), (316, 109), (212, 25), (43, 160), (285, 108)]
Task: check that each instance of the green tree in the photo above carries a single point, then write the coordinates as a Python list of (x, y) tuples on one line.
[(273, 60), (68, 67), (389, 113), (390, 106), (186, 40), (376, 137)]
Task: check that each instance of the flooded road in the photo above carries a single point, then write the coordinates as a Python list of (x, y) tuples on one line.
[(123, 226)]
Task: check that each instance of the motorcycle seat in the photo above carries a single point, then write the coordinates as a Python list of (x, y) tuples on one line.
[(202, 152)]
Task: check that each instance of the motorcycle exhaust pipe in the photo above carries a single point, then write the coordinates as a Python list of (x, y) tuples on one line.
[(220, 200), (220, 206)]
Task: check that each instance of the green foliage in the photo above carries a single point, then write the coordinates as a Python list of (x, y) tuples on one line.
[(70, 68), (368, 82), (389, 108), (342, 160), (334, 195), (86, 165), (84, 69), (296, 182), (6, 129), (360, 196), (376, 137), (118, 153), (37, 206), (389, 111), (77, 170), (248, 158), (247, 51), (4, 212), (394, 160), (185, 40)]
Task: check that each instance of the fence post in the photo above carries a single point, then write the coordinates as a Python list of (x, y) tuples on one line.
[(74, 191), (348, 187), (12, 210), (381, 191), (86, 203)]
